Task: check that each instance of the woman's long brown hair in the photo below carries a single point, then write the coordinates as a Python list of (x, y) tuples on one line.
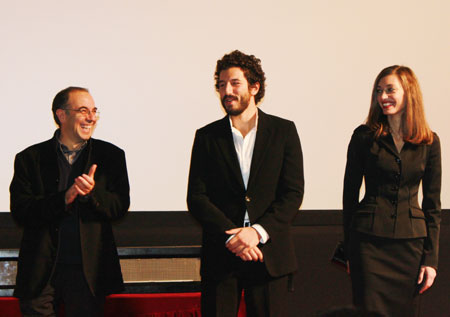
[(414, 125)]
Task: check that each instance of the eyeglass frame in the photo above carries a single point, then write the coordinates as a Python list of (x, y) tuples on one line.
[(388, 90), (84, 111)]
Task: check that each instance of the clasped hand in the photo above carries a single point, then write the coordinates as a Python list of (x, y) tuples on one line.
[(244, 244), (82, 185)]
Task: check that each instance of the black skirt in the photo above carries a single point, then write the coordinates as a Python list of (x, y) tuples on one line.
[(384, 274)]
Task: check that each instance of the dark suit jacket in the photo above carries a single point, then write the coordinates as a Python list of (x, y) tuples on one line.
[(38, 206), (390, 207), (218, 200)]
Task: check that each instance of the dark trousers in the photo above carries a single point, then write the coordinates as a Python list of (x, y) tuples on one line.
[(68, 285), (264, 295)]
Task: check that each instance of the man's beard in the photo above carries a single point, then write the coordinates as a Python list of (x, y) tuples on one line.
[(242, 105)]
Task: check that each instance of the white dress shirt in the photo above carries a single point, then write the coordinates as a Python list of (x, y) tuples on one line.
[(244, 149)]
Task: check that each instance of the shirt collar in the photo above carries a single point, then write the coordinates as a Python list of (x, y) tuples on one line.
[(233, 129), (64, 149), (70, 155)]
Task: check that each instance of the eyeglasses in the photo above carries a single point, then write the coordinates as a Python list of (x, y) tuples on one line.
[(388, 90), (84, 111)]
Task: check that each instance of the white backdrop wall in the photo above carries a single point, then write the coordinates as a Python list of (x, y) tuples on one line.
[(150, 64)]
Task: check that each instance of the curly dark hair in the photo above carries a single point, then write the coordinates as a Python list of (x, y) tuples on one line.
[(61, 99), (249, 64)]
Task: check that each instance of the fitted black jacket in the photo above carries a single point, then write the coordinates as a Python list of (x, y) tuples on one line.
[(218, 200), (390, 207), (38, 206)]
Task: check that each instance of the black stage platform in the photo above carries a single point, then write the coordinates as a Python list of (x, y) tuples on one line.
[(175, 237)]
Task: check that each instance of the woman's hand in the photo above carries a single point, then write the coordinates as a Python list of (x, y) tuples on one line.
[(426, 277)]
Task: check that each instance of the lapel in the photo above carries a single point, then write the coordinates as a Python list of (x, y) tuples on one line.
[(49, 166), (87, 157), (83, 163), (262, 139), (226, 144), (388, 142)]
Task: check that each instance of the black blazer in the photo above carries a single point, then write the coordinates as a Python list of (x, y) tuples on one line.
[(218, 200), (390, 206), (38, 206)]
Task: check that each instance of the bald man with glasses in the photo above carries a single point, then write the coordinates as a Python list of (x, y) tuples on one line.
[(65, 193)]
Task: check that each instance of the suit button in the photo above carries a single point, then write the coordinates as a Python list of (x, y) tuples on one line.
[(247, 199), (394, 202), (398, 160), (393, 216)]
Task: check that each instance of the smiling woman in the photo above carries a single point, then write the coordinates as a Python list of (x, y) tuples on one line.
[(391, 242), (390, 95)]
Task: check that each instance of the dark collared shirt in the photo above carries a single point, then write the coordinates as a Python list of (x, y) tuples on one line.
[(70, 155), (70, 167)]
